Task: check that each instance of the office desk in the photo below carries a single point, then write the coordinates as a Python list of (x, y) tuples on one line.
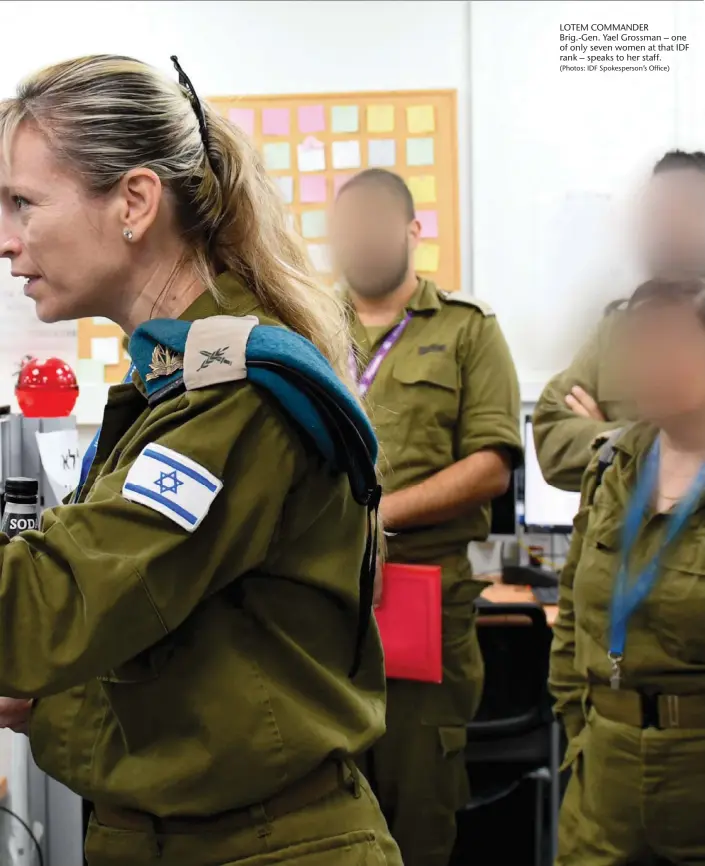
[(502, 593)]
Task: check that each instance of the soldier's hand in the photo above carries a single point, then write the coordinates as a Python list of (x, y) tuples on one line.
[(582, 404), (377, 593), (14, 714)]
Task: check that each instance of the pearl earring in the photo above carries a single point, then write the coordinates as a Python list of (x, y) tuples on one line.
[(127, 234)]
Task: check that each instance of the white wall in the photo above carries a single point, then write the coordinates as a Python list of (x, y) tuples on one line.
[(549, 151)]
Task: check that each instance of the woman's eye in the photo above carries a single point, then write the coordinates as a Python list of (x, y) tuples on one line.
[(20, 202)]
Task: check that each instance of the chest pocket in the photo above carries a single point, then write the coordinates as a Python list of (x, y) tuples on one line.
[(429, 389), (676, 607), (594, 579)]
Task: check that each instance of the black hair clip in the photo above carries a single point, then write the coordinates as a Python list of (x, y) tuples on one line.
[(185, 81)]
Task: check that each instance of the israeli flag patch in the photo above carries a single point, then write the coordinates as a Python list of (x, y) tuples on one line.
[(174, 485)]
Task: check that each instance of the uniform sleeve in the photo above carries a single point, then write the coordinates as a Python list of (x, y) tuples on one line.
[(108, 578), (565, 682), (490, 403), (562, 438)]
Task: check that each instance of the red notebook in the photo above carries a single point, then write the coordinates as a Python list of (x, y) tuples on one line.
[(409, 621)]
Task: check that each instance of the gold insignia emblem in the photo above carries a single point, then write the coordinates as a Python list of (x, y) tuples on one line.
[(164, 363)]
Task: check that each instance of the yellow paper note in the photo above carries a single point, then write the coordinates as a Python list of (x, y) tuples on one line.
[(420, 118), (380, 118), (423, 188), (427, 258)]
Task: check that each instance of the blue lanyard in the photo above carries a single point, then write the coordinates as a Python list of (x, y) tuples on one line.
[(629, 595), (89, 456)]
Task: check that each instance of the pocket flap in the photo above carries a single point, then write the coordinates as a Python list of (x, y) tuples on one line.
[(440, 371), (453, 739)]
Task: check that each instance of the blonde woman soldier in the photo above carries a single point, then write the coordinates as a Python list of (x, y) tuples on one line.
[(187, 640)]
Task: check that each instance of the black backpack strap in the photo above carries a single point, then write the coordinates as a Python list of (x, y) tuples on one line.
[(605, 457)]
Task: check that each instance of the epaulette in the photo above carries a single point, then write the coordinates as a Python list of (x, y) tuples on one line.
[(464, 300), (172, 356)]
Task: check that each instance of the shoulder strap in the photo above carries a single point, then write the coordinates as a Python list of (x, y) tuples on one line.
[(605, 457), (464, 300)]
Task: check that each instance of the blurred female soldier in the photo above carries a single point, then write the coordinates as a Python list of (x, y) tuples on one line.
[(192, 626), (628, 663)]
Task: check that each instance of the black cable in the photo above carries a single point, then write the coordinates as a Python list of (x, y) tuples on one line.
[(40, 856)]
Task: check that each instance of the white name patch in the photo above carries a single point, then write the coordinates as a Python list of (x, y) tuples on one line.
[(174, 485)]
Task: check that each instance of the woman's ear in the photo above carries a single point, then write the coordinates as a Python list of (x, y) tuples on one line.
[(140, 192)]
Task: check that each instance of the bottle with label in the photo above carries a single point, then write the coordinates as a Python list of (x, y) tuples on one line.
[(21, 506)]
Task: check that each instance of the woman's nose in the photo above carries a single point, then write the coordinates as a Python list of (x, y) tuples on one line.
[(10, 245)]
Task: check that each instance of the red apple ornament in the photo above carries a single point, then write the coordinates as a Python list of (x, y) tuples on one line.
[(46, 390)]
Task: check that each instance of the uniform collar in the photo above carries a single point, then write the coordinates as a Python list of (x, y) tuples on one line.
[(636, 439), (425, 299), (238, 301)]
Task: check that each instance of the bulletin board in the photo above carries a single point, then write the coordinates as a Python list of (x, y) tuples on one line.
[(312, 145)]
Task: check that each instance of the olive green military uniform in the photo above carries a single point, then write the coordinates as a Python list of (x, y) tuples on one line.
[(445, 391), (637, 791), (194, 685), (562, 438)]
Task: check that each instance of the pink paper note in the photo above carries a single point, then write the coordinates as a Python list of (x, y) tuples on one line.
[(275, 121), (429, 223), (312, 118), (312, 188), (339, 182), (244, 118)]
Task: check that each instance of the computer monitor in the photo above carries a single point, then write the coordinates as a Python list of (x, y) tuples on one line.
[(504, 511), (546, 508)]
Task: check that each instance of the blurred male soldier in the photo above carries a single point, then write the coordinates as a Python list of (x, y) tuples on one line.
[(584, 402), (443, 394)]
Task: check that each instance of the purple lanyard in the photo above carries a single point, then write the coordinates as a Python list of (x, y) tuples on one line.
[(368, 376)]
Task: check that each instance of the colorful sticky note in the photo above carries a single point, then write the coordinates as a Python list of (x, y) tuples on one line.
[(381, 153), (312, 155), (312, 118), (346, 154), (320, 257), (244, 118), (339, 182), (277, 156), (419, 151), (345, 118), (427, 258), (275, 121), (286, 187), (380, 118), (423, 188), (429, 223), (313, 189), (420, 118), (313, 224)]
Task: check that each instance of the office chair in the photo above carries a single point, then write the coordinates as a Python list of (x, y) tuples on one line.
[(514, 735)]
